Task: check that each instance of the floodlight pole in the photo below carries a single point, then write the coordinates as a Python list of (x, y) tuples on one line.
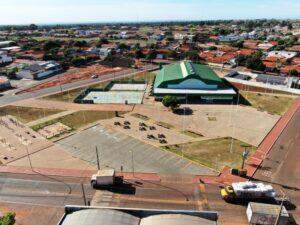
[(83, 194), (98, 162), (132, 163)]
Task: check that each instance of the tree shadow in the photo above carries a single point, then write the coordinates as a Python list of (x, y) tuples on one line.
[(186, 111)]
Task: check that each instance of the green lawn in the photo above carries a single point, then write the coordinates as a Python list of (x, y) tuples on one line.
[(272, 103), (213, 153), (27, 114), (78, 119)]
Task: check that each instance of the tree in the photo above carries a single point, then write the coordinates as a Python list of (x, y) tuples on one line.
[(212, 48), (51, 44), (238, 44), (171, 102), (192, 55), (151, 55), (293, 73), (33, 27), (80, 44), (8, 219), (78, 61)]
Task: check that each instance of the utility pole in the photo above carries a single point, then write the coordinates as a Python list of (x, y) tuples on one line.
[(83, 194), (98, 162), (244, 156), (280, 210), (132, 162)]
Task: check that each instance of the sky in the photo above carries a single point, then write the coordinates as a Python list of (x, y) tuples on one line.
[(82, 11)]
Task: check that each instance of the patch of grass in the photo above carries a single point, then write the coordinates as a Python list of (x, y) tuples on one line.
[(27, 114), (78, 119), (212, 118), (140, 116), (191, 134), (165, 125), (271, 103), (213, 153)]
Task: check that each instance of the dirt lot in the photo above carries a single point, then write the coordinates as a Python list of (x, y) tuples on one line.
[(215, 153), (265, 102), (27, 114), (214, 121), (78, 119)]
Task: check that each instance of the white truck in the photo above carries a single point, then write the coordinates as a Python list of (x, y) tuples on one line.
[(247, 191), (105, 178)]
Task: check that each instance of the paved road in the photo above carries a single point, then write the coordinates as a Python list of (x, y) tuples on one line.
[(39, 190), (8, 99), (174, 192), (115, 151), (282, 164)]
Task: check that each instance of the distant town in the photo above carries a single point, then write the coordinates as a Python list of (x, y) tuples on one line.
[(150, 123)]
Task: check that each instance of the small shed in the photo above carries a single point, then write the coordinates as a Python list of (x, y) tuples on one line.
[(266, 214)]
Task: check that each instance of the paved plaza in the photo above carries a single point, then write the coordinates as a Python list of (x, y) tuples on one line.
[(117, 149)]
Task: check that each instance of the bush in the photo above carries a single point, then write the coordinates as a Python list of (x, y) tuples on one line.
[(170, 102), (78, 61), (8, 219)]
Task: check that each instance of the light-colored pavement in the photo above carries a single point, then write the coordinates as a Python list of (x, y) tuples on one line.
[(116, 150), (50, 104), (213, 121)]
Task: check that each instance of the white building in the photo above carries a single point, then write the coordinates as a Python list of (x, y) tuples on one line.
[(4, 58), (282, 54), (40, 70)]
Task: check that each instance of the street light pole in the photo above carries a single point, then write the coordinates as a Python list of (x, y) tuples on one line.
[(132, 163), (98, 162)]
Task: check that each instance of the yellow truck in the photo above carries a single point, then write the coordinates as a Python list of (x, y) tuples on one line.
[(247, 191)]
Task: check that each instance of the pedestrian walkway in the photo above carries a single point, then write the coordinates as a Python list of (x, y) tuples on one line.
[(50, 104)]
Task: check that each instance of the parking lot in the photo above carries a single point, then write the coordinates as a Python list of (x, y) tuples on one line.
[(118, 150)]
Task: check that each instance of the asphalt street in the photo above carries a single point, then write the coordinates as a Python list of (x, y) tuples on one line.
[(41, 190)]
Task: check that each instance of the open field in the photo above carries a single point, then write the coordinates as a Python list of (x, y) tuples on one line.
[(213, 153), (27, 114), (78, 119), (271, 103)]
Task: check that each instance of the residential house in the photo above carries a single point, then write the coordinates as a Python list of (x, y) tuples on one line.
[(39, 70), (4, 83), (5, 59)]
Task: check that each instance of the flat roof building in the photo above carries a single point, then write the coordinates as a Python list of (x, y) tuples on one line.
[(187, 78)]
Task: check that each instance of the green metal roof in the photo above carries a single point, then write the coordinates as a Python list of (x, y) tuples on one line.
[(176, 73)]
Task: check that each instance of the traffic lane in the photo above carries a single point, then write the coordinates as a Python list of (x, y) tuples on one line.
[(281, 165), (36, 186), (43, 192)]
